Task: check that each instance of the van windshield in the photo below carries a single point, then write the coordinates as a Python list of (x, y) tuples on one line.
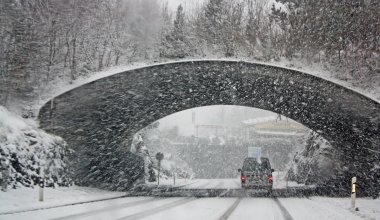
[(254, 165)]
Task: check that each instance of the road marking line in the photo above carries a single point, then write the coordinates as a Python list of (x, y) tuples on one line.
[(230, 210)]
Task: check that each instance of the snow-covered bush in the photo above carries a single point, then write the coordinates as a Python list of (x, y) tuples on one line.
[(169, 165), (320, 164), (314, 164), (29, 153)]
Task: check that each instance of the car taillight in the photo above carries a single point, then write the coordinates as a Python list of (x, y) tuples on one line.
[(243, 178), (270, 178)]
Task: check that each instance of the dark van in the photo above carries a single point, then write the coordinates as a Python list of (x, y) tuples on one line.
[(256, 173)]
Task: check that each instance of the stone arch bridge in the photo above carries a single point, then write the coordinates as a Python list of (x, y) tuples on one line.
[(100, 118)]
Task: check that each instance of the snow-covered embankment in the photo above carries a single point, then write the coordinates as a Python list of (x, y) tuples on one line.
[(27, 153)]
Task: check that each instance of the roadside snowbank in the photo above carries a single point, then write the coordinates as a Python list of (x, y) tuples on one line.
[(27, 198), (368, 208), (25, 151), (316, 208)]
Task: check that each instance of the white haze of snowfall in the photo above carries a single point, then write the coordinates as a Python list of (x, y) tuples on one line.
[(212, 115), (215, 145)]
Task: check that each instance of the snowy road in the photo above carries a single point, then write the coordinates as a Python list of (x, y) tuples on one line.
[(189, 208), (205, 208)]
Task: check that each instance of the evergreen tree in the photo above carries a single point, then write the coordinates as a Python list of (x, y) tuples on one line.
[(179, 25), (251, 29), (232, 28), (165, 31), (211, 22), (176, 44)]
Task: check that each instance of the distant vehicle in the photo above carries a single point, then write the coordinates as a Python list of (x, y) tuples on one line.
[(256, 174)]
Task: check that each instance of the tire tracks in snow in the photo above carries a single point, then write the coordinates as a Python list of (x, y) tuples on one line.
[(283, 210), (106, 209), (223, 194), (158, 209), (230, 210)]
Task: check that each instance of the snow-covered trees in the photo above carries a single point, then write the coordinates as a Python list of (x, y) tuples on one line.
[(345, 33), (175, 43), (220, 26), (211, 22), (55, 40), (316, 163), (45, 41)]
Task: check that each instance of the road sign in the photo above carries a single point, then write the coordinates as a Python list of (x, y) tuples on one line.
[(159, 157), (254, 152)]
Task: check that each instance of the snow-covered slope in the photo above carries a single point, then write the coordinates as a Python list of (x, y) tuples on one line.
[(26, 150)]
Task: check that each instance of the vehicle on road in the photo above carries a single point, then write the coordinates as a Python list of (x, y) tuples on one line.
[(256, 173)]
